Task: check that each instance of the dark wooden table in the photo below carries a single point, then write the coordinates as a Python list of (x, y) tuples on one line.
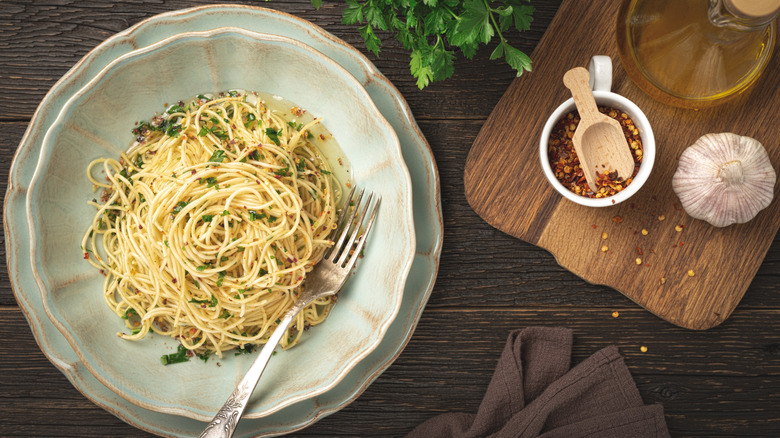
[(721, 382)]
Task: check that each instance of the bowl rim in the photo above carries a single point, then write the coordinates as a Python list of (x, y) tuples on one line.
[(648, 146), (397, 157)]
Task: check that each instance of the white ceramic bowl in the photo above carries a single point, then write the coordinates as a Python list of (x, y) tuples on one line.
[(600, 70), (95, 122), (648, 149)]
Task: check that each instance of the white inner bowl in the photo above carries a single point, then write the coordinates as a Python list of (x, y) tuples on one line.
[(603, 98)]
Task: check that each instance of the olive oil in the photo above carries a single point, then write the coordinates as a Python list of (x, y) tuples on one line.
[(694, 53)]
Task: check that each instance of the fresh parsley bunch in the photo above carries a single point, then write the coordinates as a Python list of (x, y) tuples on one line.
[(434, 29)]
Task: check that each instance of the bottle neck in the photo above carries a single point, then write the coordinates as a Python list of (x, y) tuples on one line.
[(743, 15)]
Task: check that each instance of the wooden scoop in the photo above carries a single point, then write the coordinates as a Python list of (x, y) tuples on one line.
[(598, 140)]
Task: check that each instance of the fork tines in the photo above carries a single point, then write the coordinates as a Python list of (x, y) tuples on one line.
[(352, 232)]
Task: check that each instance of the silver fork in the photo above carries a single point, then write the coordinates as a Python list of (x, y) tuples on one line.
[(326, 279)]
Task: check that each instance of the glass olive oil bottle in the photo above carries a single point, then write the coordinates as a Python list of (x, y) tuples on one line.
[(696, 53)]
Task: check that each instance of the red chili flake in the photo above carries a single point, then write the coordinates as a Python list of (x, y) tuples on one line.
[(173, 281), (566, 165), (617, 219), (639, 250), (594, 226), (322, 136), (86, 256), (193, 172)]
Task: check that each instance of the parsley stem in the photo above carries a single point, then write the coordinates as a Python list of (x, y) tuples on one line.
[(455, 16), (495, 24)]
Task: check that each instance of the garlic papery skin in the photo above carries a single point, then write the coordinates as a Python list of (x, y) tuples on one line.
[(724, 179)]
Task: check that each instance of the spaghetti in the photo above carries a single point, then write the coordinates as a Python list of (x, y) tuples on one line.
[(208, 224)]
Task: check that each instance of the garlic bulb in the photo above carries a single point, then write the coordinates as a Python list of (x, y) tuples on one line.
[(724, 179)]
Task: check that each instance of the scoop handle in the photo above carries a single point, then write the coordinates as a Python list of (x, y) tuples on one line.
[(576, 80)]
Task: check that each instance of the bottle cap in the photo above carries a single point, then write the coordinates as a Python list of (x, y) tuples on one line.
[(752, 9)]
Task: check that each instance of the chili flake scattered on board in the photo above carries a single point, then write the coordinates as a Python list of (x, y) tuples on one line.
[(566, 165)]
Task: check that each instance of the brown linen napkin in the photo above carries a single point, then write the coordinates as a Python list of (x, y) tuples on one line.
[(534, 393)]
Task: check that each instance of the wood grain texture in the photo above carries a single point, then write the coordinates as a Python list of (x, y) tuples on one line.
[(720, 382), (651, 270), (729, 385), (39, 42)]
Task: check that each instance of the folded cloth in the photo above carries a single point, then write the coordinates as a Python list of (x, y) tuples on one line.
[(534, 393)]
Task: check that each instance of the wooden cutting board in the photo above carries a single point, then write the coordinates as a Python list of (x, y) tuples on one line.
[(506, 187)]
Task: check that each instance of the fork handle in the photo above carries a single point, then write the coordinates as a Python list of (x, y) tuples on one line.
[(224, 423)]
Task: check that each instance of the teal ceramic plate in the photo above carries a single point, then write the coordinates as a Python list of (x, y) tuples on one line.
[(96, 122), (416, 152)]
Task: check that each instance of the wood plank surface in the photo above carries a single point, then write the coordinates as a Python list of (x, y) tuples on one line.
[(503, 171), (720, 382)]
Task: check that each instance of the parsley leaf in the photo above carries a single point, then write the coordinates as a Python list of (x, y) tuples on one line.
[(273, 135), (212, 302), (353, 13), (217, 157), (253, 215), (245, 349), (178, 357), (434, 30), (175, 109), (204, 356), (179, 207)]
